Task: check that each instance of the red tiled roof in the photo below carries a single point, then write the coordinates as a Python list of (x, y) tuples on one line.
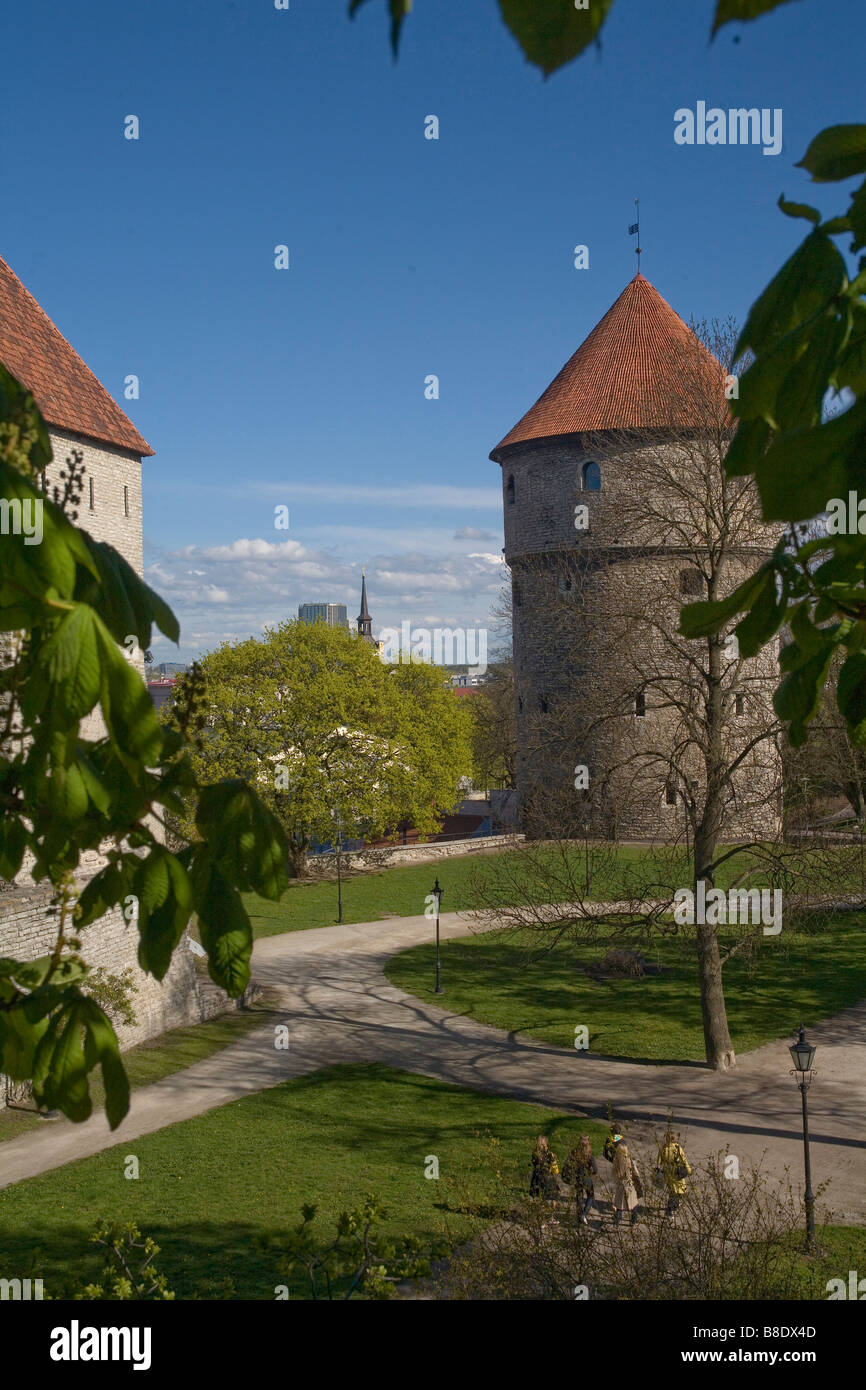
[(626, 375), (64, 387)]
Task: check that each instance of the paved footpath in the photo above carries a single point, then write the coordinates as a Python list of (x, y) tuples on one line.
[(332, 993)]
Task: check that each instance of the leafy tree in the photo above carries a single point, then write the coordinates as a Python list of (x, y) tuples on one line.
[(333, 737), (85, 765), (493, 731)]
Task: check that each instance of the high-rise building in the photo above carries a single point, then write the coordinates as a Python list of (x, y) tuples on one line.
[(334, 614)]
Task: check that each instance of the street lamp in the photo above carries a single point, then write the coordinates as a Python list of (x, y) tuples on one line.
[(802, 1055), (437, 894)]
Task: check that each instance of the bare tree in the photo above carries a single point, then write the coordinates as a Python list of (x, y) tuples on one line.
[(644, 734)]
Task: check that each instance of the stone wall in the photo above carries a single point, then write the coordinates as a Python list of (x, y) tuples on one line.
[(115, 516), (28, 930), (593, 612), (392, 856)]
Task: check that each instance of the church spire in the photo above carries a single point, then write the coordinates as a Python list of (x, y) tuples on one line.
[(365, 622)]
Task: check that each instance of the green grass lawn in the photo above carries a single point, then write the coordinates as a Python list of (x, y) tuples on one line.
[(158, 1057), (793, 978), (208, 1187), (400, 892), (211, 1188)]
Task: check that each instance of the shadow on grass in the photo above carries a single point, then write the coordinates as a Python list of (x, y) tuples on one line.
[(200, 1260)]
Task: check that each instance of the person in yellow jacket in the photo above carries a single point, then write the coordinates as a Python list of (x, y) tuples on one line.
[(674, 1168)]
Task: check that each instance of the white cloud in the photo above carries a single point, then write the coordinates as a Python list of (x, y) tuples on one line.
[(258, 583), (491, 559), (473, 533), (255, 549)]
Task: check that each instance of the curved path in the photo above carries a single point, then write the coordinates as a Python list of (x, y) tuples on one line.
[(340, 1008)]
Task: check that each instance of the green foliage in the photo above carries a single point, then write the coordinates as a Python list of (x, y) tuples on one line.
[(358, 1260), (128, 1272), (68, 604), (728, 10), (807, 334), (553, 33), (333, 739)]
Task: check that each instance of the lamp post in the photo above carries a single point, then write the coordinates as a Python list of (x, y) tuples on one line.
[(437, 894), (803, 1055)]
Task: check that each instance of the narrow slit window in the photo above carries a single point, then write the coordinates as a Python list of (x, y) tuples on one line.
[(509, 491), (125, 500), (670, 795), (739, 706), (640, 705), (90, 490)]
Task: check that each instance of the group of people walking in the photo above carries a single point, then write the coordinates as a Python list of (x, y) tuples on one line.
[(580, 1170)]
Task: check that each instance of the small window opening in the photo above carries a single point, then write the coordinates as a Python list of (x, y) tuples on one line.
[(591, 477)]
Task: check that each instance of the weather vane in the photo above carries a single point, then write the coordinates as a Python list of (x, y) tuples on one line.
[(634, 230)]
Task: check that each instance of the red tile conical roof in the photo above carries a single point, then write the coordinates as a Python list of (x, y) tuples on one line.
[(628, 374), (63, 386)]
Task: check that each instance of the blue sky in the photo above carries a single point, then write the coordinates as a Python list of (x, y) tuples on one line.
[(408, 257)]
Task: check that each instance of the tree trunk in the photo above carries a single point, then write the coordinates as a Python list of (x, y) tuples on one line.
[(717, 1038), (297, 858)]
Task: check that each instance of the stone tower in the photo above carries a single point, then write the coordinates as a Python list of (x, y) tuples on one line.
[(605, 538)]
